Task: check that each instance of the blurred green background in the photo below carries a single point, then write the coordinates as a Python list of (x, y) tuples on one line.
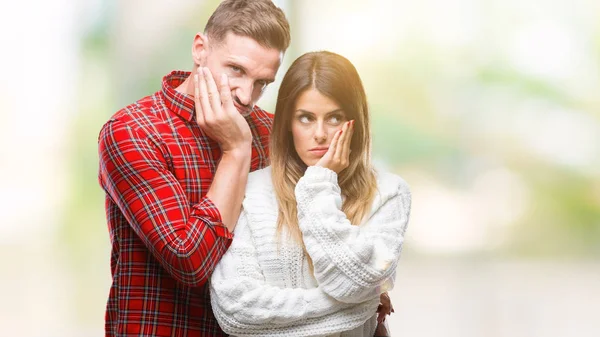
[(489, 109)]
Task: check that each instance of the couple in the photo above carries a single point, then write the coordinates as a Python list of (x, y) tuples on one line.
[(305, 247)]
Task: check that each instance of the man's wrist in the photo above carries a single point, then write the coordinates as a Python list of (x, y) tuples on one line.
[(240, 152)]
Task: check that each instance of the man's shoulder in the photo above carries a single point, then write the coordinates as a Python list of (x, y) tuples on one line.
[(139, 115), (143, 108), (261, 118)]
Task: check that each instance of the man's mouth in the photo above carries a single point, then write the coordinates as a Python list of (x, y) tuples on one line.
[(241, 108)]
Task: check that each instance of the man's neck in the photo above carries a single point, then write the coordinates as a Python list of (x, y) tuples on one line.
[(187, 86)]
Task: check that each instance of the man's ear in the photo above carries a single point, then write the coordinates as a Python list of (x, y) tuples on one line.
[(200, 48)]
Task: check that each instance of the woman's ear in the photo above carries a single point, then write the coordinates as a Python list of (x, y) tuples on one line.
[(200, 48)]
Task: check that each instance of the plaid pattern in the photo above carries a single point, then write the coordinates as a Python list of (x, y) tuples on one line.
[(156, 166)]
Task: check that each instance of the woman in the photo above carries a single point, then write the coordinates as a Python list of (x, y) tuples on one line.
[(320, 233)]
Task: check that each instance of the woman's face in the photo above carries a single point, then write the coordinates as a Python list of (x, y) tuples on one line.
[(315, 120)]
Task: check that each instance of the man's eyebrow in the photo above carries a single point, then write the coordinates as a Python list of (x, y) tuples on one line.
[(269, 80), (237, 64), (245, 71)]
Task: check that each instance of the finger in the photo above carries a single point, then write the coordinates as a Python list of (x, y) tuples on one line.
[(334, 144), (338, 153), (225, 91), (199, 113), (213, 93), (204, 101), (347, 141), (325, 160)]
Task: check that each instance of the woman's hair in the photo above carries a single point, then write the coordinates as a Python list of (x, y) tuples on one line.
[(335, 77), (260, 20)]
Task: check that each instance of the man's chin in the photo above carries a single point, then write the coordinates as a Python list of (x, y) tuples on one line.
[(243, 111)]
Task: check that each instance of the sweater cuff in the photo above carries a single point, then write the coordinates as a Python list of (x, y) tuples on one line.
[(320, 174)]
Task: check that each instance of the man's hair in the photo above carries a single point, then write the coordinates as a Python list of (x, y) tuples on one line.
[(260, 20)]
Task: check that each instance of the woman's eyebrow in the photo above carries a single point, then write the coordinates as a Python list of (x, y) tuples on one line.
[(327, 113)]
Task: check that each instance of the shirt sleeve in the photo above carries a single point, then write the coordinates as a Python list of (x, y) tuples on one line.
[(351, 262), (245, 305), (186, 239)]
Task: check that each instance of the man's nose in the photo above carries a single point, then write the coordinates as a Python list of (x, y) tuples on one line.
[(244, 92)]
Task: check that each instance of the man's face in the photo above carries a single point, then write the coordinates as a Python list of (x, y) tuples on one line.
[(249, 66)]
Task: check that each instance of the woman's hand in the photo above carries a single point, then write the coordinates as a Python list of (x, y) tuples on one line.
[(337, 157), (385, 307)]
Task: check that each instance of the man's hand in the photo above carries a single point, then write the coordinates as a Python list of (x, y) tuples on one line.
[(337, 157), (216, 114), (385, 307), (220, 120)]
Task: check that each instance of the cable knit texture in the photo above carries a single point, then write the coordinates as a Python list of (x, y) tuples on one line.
[(263, 286)]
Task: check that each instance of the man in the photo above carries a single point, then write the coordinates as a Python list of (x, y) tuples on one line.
[(174, 167)]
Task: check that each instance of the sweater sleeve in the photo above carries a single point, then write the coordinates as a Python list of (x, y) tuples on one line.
[(351, 263), (245, 305)]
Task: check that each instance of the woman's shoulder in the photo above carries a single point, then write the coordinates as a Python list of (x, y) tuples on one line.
[(259, 190), (390, 185), (259, 180), (259, 204)]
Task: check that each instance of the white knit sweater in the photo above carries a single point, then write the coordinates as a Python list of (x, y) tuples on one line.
[(263, 286)]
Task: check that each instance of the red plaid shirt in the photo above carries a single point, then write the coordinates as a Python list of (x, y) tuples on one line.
[(156, 166)]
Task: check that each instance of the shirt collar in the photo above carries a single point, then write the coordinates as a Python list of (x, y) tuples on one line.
[(177, 102)]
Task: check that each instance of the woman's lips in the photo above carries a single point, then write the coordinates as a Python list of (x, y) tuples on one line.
[(319, 151)]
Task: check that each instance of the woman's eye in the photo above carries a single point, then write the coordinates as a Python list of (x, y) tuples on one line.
[(304, 119), (335, 119)]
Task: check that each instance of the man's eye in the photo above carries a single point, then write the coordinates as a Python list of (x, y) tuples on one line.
[(262, 84), (236, 69)]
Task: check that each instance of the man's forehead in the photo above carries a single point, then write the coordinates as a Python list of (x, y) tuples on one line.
[(243, 47)]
